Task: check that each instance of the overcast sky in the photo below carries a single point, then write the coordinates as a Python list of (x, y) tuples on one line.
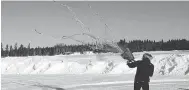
[(126, 19)]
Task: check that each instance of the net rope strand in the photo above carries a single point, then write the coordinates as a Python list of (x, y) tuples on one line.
[(83, 27), (67, 37), (100, 43), (101, 18), (47, 35), (78, 21)]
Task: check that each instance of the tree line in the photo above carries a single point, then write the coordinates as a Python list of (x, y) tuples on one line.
[(134, 46), (42, 51), (149, 45)]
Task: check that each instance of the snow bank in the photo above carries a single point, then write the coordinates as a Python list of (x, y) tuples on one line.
[(166, 63)]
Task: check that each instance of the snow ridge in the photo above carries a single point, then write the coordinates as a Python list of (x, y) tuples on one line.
[(165, 64)]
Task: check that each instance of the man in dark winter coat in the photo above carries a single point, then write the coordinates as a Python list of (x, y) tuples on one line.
[(145, 70)]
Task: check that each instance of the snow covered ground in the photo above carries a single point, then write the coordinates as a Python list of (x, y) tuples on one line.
[(89, 82), (92, 71)]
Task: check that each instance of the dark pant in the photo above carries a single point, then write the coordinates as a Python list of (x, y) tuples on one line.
[(144, 85)]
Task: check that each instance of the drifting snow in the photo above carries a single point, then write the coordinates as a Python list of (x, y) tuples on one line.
[(166, 63)]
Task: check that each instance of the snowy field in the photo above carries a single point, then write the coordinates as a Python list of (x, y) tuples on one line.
[(92, 72)]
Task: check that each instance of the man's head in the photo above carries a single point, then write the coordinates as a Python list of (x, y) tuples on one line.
[(147, 56)]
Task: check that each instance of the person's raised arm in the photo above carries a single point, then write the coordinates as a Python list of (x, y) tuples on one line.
[(132, 64)]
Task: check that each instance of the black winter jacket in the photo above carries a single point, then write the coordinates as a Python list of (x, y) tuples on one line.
[(145, 69)]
